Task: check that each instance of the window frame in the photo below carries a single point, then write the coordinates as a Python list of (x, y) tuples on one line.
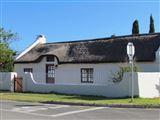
[(28, 70), (50, 58), (88, 74)]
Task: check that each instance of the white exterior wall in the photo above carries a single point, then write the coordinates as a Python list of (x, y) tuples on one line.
[(149, 84), (102, 73), (68, 73), (6, 80), (39, 69), (71, 73)]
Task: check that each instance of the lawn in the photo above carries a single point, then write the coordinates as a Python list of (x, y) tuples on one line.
[(35, 97)]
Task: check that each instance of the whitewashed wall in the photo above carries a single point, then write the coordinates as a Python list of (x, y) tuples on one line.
[(39, 69), (71, 73), (6, 80), (149, 84), (109, 90), (146, 85)]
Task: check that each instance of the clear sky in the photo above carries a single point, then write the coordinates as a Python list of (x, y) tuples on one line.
[(68, 20)]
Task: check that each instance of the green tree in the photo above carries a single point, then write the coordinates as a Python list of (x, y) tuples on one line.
[(7, 36), (6, 53), (135, 28), (151, 26)]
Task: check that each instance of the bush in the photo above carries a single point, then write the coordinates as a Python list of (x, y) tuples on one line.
[(118, 76)]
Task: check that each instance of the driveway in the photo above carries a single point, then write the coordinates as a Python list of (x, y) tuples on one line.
[(11, 110)]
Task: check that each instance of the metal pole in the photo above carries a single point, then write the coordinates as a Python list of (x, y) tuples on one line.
[(159, 67), (132, 86)]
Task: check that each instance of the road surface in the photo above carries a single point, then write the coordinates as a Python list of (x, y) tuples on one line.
[(11, 110)]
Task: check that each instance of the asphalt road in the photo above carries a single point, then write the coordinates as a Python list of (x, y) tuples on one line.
[(11, 110)]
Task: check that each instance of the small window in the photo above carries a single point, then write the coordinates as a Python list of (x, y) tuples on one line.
[(26, 70), (87, 75), (50, 58)]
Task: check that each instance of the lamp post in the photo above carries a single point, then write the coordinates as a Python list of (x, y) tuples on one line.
[(131, 52)]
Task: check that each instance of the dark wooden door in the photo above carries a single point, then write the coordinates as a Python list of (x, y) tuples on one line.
[(18, 85), (50, 73)]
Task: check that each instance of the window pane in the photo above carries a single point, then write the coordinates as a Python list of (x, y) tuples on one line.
[(84, 79), (87, 75), (28, 70), (50, 58), (84, 75)]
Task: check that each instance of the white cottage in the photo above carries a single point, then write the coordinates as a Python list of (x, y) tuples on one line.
[(85, 62)]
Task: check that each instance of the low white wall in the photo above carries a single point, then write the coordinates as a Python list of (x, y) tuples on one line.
[(149, 84), (109, 90), (6, 80), (146, 85)]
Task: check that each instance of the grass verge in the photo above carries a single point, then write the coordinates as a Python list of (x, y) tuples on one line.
[(90, 100)]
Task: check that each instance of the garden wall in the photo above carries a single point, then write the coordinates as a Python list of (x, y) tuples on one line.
[(146, 85), (109, 90), (6, 80), (149, 84)]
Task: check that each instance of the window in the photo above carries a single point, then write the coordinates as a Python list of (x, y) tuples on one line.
[(50, 58), (87, 75), (50, 73), (26, 70)]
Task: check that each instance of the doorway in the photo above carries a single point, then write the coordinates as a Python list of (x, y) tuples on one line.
[(18, 85), (50, 73)]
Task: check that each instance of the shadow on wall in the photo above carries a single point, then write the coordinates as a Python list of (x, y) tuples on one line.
[(158, 88)]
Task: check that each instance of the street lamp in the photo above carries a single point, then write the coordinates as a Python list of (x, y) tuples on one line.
[(131, 52)]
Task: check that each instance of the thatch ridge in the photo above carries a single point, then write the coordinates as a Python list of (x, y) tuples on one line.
[(105, 38)]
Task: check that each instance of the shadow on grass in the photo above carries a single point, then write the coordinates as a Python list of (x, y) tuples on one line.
[(29, 105), (89, 97), (68, 96)]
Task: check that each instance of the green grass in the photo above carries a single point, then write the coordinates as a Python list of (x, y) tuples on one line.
[(35, 97)]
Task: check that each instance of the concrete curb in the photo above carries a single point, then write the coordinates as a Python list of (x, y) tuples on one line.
[(106, 105)]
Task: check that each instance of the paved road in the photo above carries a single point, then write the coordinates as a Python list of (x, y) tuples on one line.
[(11, 110)]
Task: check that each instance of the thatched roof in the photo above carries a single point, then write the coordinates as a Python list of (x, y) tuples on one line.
[(101, 50)]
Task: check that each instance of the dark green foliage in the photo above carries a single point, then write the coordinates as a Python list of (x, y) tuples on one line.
[(6, 58), (151, 26), (135, 28), (7, 36), (6, 54)]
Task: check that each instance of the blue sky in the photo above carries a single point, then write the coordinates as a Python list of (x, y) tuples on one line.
[(75, 20)]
